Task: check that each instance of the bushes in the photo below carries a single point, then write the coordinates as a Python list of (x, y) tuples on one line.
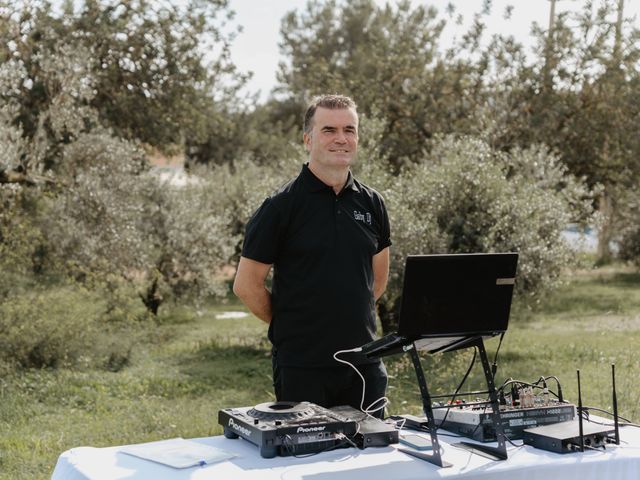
[(629, 224), (466, 197), (630, 242), (241, 187), (55, 326), (113, 223), (630, 246), (118, 232), (114, 218)]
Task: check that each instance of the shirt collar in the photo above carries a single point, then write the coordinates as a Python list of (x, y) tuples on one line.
[(351, 183), (314, 184)]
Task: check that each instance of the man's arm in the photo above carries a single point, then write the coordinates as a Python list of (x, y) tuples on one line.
[(380, 272), (249, 287)]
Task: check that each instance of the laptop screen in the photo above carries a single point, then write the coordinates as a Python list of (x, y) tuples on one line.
[(457, 295)]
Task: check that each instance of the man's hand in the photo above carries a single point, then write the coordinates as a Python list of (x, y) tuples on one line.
[(249, 287)]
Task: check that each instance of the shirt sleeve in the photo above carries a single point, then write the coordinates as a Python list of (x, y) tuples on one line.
[(385, 228), (262, 234)]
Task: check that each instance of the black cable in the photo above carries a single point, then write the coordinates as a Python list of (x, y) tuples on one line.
[(526, 384), (625, 420), (495, 357), (494, 366), (559, 395), (537, 384), (464, 379), (624, 424), (511, 442)]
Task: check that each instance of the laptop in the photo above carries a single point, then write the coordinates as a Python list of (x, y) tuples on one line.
[(449, 300)]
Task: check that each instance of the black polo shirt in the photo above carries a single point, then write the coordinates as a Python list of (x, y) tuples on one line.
[(321, 246)]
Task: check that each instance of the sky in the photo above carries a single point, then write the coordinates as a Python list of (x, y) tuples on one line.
[(256, 48)]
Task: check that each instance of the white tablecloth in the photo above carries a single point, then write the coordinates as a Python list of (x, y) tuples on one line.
[(387, 463)]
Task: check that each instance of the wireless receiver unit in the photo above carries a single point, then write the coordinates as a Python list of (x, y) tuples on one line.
[(575, 436), (565, 437)]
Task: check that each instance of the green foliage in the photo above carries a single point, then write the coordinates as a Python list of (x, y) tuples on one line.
[(630, 248), (115, 218), (22, 243), (192, 364), (141, 66), (385, 57), (244, 184), (91, 223), (577, 94), (630, 228), (467, 197), (55, 325), (189, 246), (588, 323), (595, 74), (262, 132), (46, 88)]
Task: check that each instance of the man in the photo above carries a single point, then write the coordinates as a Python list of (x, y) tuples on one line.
[(327, 237)]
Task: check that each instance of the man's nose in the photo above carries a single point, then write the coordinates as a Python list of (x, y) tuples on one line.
[(341, 137)]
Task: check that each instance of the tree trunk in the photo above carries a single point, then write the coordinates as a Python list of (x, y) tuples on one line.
[(547, 78), (604, 235), (152, 298)]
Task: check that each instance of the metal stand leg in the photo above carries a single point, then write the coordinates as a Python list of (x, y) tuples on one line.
[(499, 452), (435, 457)]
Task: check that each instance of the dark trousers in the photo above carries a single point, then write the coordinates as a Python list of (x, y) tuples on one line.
[(331, 386)]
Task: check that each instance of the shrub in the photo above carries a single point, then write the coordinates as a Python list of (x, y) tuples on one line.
[(49, 322), (55, 326), (22, 243), (241, 187), (626, 207), (630, 240), (630, 245), (115, 218), (467, 198)]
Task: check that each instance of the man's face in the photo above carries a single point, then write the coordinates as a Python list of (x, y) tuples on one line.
[(333, 140)]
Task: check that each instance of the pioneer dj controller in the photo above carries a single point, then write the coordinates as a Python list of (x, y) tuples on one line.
[(288, 428)]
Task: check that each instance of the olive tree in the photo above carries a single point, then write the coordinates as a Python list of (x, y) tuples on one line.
[(467, 197), (158, 69), (116, 218)]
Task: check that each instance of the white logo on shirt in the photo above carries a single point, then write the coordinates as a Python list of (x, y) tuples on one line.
[(362, 217)]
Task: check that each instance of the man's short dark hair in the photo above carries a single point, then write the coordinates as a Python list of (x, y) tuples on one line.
[(332, 102)]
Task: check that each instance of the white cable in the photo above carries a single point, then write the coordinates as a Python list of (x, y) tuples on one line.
[(369, 410), (404, 420)]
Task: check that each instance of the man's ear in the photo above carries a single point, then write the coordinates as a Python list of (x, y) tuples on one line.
[(306, 138)]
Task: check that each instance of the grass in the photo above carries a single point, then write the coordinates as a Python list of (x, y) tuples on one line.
[(193, 364), (590, 323), (174, 387)]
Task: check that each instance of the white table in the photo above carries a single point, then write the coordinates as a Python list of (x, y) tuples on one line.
[(387, 463)]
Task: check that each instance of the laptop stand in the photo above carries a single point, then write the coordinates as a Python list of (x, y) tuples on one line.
[(496, 453)]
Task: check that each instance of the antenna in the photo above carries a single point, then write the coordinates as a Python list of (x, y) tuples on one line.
[(615, 404), (580, 414)]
